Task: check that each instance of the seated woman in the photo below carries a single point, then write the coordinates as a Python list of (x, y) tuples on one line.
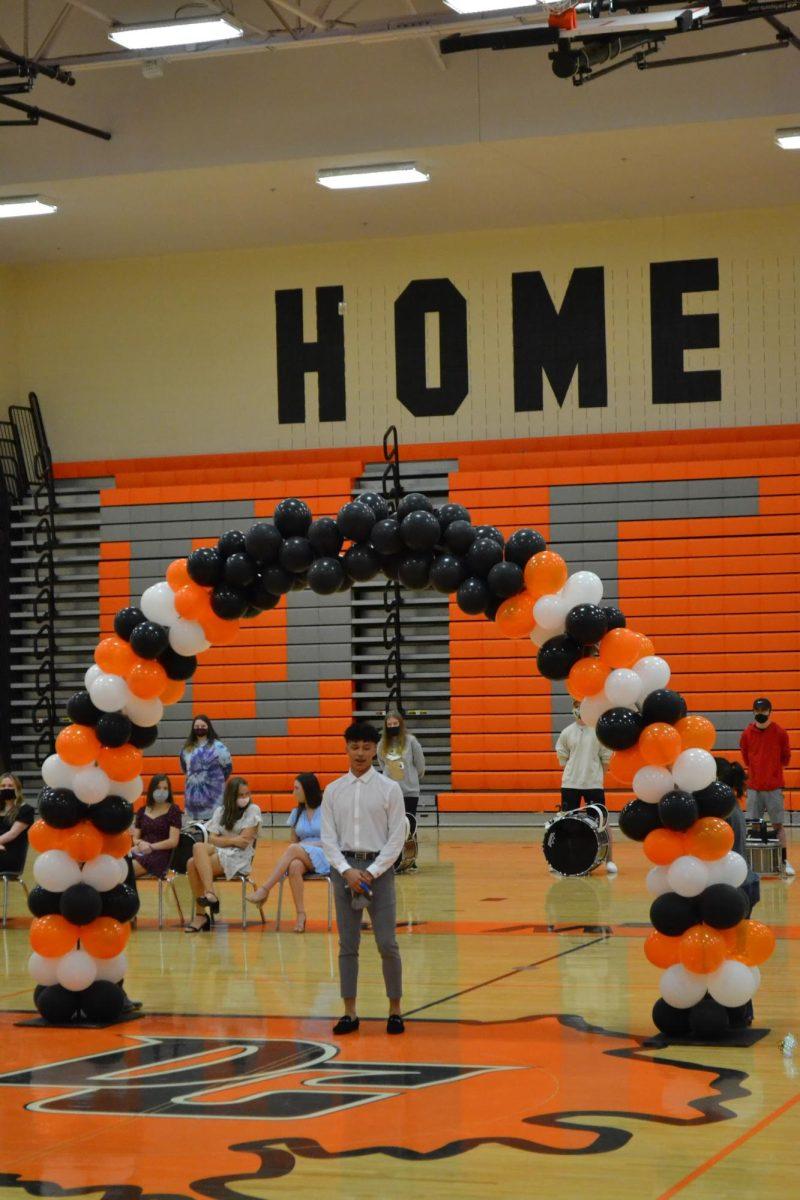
[(16, 818), (305, 854), (156, 829), (232, 833)]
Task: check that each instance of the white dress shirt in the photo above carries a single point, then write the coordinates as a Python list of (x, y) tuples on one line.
[(366, 814), (582, 756)]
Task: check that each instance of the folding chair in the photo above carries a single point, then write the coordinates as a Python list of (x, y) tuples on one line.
[(11, 877), (165, 881), (312, 877)]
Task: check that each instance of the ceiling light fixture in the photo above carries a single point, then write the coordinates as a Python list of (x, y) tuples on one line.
[(788, 139), (180, 31), (468, 7), (382, 175), (26, 206)]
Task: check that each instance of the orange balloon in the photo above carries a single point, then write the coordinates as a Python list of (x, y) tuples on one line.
[(193, 601), (114, 655), (147, 679), (625, 763), (660, 744), (544, 573), (750, 942), (105, 937), (709, 838), (702, 949), (586, 677), (83, 842), (120, 763), (621, 648), (647, 647), (219, 631), (663, 846), (173, 691), (514, 617), (696, 733), (662, 951), (117, 844), (78, 745), (177, 574), (52, 935), (44, 837)]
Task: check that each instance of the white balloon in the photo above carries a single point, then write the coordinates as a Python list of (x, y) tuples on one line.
[(550, 612), (187, 637), (112, 969), (682, 988), (656, 882), (756, 973), (122, 867), (694, 770), (55, 870), (732, 984), (56, 773), (91, 785), (42, 969), (593, 707), (76, 970), (654, 673), (101, 872), (93, 673), (651, 783), (158, 604), (584, 587), (130, 790), (687, 875), (731, 868), (623, 688), (144, 712), (109, 693), (540, 636)]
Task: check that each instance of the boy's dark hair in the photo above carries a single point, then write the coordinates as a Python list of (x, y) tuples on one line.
[(361, 731)]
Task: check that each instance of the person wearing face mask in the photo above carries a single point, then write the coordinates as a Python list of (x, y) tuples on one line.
[(400, 758), (206, 763), (16, 818), (765, 751), (156, 829), (584, 761), (228, 852)]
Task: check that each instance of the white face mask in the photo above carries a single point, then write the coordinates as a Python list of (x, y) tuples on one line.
[(243, 801), (160, 795)]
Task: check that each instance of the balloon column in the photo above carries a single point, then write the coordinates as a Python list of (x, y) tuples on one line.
[(82, 905)]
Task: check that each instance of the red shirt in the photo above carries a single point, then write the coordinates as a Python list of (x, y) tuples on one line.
[(765, 753)]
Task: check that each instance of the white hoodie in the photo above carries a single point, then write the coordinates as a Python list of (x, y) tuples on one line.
[(581, 755)]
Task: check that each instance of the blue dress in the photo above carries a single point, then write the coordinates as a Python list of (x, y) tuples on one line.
[(308, 827)]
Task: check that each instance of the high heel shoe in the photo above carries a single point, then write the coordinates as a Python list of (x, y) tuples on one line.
[(300, 927), (204, 928), (209, 902), (259, 897)]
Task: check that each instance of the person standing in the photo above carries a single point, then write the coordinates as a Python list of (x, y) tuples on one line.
[(206, 763), (584, 761), (363, 825), (400, 757), (764, 746)]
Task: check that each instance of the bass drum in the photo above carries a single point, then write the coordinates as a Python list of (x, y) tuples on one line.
[(574, 843), (190, 835), (408, 855)]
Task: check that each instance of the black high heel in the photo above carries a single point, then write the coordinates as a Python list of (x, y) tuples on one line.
[(204, 928), (207, 902)]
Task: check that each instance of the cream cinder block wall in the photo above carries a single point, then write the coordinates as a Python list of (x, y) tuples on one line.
[(9, 350), (177, 354)]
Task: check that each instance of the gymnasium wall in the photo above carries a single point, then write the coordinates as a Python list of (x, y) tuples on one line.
[(9, 379)]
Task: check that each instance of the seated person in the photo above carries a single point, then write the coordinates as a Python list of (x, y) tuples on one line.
[(232, 833), (305, 854), (16, 818), (156, 829)]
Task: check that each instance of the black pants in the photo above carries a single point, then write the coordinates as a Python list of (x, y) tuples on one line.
[(571, 797), (410, 804)]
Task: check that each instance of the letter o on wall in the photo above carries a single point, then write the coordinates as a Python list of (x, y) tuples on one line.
[(423, 296)]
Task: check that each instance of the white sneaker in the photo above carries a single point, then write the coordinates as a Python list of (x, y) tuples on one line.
[(612, 868), (788, 869)]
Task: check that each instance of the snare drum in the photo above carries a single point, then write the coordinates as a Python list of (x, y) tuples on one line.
[(576, 842), (408, 855)]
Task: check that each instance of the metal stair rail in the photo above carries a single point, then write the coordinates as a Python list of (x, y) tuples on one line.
[(12, 489)]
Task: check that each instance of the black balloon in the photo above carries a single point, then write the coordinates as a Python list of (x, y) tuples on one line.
[(232, 542), (716, 800), (483, 554), (43, 903), (557, 656), (126, 621), (722, 906), (292, 517), (276, 580), (113, 729), (414, 571), (505, 579), (490, 531), (586, 623), (240, 570), (102, 1003), (411, 503), (385, 536), (297, 555), (451, 512), (459, 536), (205, 566), (120, 902), (355, 520), (490, 612), (262, 542), (178, 666), (677, 810), (300, 581), (523, 544), (259, 597), (81, 710), (672, 914), (56, 1004), (674, 1022), (325, 576), (615, 617), (80, 904), (420, 530), (149, 640), (637, 819), (112, 815), (391, 566), (378, 504), (325, 537), (227, 602), (708, 1020), (447, 572), (741, 1016), (663, 705), (619, 728), (473, 595), (60, 807), (361, 563), (143, 736)]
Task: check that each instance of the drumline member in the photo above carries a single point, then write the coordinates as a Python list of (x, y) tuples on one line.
[(584, 761)]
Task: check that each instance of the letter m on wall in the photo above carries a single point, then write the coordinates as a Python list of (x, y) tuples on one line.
[(557, 342), (296, 357)]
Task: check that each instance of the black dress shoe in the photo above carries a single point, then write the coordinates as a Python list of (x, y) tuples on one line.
[(395, 1024), (346, 1025)]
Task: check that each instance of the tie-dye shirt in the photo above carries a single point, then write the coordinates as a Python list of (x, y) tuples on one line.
[(206, 767)]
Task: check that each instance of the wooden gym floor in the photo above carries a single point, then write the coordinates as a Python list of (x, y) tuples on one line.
[(524, 1070)]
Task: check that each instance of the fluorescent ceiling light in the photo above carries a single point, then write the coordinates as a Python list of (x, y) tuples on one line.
[(25, 206), (181, 31), (468, 7), (382, 175), (788, 139)]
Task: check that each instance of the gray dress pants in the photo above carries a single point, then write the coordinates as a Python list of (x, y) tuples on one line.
[(383, 912)]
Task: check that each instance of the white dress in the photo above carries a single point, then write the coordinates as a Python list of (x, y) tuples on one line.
[(235, 860)]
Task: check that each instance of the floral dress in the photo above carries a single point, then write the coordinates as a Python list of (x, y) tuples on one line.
[(206, 767)]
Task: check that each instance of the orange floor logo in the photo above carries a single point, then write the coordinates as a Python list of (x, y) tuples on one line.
[(181, 1107)]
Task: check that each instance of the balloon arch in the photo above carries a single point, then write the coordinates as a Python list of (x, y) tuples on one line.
[(82, 905)]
